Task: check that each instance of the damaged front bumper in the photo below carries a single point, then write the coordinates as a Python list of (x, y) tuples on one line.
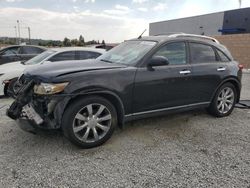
[(33, 112)]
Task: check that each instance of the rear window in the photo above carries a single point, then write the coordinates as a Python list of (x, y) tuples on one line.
[(201, 53)]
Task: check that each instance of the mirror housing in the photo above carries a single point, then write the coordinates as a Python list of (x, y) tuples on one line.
[(158, 61), (23, 61)]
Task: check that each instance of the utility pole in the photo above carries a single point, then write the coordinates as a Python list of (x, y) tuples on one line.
[(15, 34), (29, 35), (19, 37)]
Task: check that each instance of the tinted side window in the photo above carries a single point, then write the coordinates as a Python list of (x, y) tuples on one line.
[(11, 51), (63, 56), (223, 57), (174, 52), (31, 50), (88, 55), (201, 53)]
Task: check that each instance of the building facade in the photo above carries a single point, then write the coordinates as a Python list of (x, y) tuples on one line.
[(229, 22)]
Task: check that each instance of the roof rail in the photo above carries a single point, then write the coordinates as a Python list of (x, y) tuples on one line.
[(169, 33), (196, 36)]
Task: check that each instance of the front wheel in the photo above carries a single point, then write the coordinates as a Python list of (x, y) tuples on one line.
[(224, 101), (89, 122)]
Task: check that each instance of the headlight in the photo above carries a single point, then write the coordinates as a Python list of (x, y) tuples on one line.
[(48, 89)]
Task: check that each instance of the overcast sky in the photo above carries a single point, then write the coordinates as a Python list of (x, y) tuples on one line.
[(112, 20)]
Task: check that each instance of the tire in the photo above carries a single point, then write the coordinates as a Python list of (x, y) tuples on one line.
[(78, 121), (216, 106), (11, 90)]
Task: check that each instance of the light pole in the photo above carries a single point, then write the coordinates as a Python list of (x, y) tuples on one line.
[(29, 35), (18, 27), (15, 34)]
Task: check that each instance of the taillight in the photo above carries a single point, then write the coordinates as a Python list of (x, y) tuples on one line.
[(240, 66)]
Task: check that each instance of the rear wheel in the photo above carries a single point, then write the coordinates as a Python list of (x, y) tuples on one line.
[(224, 101), (89, 122)]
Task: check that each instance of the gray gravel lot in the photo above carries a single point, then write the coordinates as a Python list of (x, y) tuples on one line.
[(184, 150)]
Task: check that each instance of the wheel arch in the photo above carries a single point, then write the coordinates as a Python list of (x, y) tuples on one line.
[(233, 81), (108, 95), (6, 85)]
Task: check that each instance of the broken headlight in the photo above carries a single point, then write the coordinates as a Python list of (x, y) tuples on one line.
[(49, 88)]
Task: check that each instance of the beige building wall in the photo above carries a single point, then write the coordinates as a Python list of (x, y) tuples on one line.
[(239, 46)]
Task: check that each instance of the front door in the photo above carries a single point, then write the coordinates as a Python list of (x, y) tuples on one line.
[(165, 86)]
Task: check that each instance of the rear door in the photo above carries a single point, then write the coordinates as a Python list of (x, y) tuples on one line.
[(164, 86), (207, 71)]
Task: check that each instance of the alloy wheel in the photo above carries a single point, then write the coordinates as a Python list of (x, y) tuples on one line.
[(92, 123), (225, 100)]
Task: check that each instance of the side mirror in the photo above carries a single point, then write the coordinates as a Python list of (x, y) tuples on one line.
[(23, 62), (158, 61)]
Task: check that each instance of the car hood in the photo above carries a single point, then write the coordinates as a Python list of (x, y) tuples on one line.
[(48, 71), (10, 66)]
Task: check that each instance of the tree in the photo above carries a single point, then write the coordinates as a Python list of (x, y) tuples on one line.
[(81, 41), (103, 42), (66, 42), (74, 42)]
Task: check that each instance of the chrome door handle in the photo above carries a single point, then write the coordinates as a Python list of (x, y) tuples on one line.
[(220, 69), (185, 72)]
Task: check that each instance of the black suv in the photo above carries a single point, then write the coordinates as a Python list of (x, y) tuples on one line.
[(139, 78), (19, 53)]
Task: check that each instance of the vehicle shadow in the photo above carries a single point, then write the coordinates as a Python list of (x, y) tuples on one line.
[(147, 132)]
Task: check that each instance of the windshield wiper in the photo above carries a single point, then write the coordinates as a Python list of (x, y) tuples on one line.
[(105, 60)]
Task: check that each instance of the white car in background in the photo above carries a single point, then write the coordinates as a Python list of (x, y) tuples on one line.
[(10, 72)]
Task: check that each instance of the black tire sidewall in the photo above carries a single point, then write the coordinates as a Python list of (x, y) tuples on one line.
[(73, 109), (213, 107)]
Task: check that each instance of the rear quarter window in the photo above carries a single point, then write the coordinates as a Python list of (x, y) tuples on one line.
[(222, 56)]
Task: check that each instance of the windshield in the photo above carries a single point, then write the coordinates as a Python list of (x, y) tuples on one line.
[(128, 52), (39, 58)]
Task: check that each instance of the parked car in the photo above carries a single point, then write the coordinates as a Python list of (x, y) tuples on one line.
[(139, 78), (10, 72), (19, 53)]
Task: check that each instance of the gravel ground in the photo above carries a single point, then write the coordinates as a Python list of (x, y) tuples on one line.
[(184, 150)]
